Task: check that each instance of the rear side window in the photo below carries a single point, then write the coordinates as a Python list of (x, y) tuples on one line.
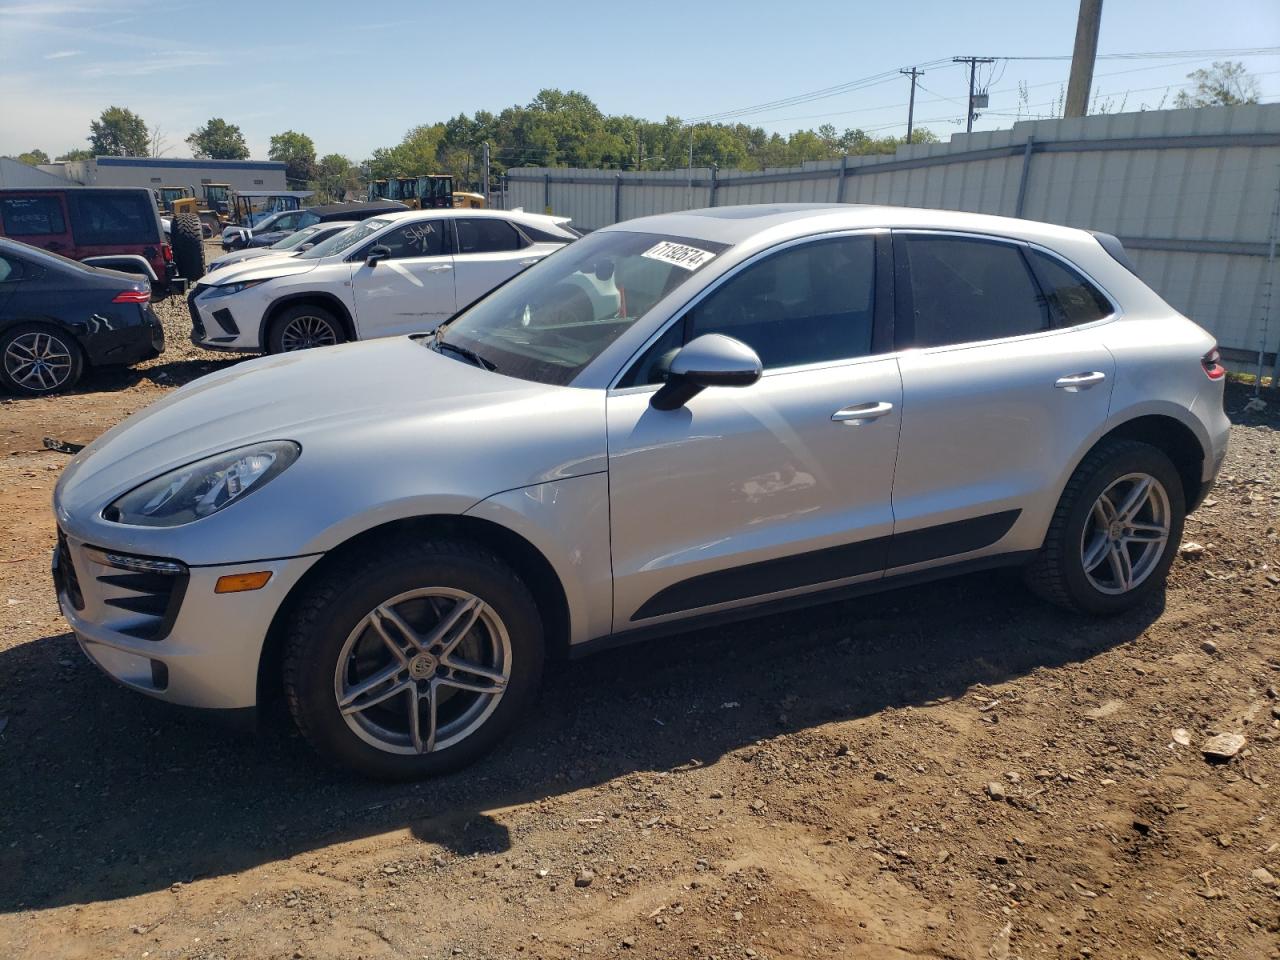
[(1072, 298), (487, 235), (965, 290), (112, 218), (32, 216)]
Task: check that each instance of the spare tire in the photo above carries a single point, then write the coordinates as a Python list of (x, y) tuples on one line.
[(188, 246)]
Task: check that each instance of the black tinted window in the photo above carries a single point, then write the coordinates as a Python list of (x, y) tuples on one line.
[(808, 304), (111, 218), (487, 235), (422, 239), (1072, 298), (31, 216), (967, 290)]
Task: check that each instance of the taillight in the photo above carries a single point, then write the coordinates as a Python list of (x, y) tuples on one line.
[(132, 296), (166, 251), (1212, 363)]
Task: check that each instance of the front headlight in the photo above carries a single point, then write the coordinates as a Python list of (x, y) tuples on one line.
[(227, 289), (204, 487)]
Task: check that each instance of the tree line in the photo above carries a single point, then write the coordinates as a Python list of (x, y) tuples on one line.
[(556, 129)]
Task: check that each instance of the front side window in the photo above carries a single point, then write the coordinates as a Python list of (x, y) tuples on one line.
[(487, 235), (112, 217), (550, 321), (1072, 299), (32, 216), (965, 290), (423, 238)]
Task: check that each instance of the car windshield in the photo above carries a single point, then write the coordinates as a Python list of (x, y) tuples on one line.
[(294, 239), (549, 322), (343, 241)]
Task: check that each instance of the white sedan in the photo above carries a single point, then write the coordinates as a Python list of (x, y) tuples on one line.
[(394, 274)]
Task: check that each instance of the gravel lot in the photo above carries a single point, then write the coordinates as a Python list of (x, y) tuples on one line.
[(951, 771)]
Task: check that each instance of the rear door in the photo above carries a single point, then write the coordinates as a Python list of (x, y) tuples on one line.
[(490, 251), (38, 218), (413, 290), (999, 393)]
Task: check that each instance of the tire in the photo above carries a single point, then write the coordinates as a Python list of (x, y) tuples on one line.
[(59, 360), (1081, 565), (188, 246), (302, 327), (333, 627)]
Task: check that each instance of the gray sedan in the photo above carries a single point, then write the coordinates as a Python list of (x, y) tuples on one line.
[(296, 242)]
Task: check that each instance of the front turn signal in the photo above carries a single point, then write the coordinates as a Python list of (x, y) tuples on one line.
[(240, 582)]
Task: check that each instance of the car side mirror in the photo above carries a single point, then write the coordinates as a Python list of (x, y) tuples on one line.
[(377, 253), (305, 247), (711, 360)]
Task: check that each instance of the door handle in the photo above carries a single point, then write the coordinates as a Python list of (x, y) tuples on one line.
[(1075, 382), (439, 267), (862, 413)]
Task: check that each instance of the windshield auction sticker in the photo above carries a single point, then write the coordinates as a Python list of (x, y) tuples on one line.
[(678, 255)]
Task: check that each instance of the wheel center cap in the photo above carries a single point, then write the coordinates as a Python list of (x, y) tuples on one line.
[(1116, 530), (422, 666)]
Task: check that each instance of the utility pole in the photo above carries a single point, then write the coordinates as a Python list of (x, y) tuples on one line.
[(913, 73), (486, 173), (1082, 58), (973, 69), (689, 196)]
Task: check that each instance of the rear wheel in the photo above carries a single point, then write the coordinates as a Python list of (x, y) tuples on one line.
[(36, 360), (302, 327), (414, 659), (188, 246), (1115, 532)]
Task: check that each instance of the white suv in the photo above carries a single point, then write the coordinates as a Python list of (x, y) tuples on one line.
[(675, 419), (393, 274)]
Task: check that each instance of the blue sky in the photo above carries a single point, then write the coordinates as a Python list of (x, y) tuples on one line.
[(356, 76)]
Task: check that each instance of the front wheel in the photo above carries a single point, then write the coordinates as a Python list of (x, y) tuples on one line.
[(414, 659), (1115, 532), (303, 327)]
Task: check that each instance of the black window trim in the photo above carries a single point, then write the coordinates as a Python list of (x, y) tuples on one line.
[(883, 313), (904, 318)]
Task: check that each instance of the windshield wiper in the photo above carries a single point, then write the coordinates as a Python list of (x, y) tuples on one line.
[(470, 355)]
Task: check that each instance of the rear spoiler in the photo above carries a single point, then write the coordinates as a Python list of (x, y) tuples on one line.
[(1113, 246)]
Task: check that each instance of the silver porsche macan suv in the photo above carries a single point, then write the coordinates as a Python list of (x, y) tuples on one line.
[(676, 419)]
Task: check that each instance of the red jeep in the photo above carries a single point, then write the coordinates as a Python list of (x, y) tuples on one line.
[(114, 227)]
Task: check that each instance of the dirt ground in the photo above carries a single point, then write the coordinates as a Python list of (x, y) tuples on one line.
[(949, 771)]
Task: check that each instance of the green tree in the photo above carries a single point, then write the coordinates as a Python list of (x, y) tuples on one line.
[(297, 151), (1226, 84), (32, 157), (335, 175), (119, 132), (218, 140), (79, 153)]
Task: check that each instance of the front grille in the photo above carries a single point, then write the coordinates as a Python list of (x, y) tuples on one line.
[(137, 596)]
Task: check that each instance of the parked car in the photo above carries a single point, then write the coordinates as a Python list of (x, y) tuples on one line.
[(307, 237), (279, 225), (399, 273), (780, 405), (113, 227), (60, 316)]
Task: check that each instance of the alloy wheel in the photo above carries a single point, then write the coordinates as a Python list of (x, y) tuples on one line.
[(423, 670), (305, 332), (38, 361), (1126, 534)]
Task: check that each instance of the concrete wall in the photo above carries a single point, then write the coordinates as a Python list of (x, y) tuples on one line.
[(1190, 192), (177, 172), (15, 175)]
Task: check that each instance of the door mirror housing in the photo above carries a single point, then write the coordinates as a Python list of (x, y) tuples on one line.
[(711, 360), (377, 253), (305, 247)]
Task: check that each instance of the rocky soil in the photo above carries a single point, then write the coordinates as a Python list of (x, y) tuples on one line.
[(950, 771)]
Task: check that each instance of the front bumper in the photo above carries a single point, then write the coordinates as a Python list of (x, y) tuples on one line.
[(177, 641), (214, 325)]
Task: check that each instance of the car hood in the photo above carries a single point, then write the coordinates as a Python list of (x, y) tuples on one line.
[(370, 417), (258, 256), (260, 268)]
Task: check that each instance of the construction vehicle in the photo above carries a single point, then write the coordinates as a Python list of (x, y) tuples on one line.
[(217, 197), (247, 207), (432, 191), (465, 198), (174, 201)]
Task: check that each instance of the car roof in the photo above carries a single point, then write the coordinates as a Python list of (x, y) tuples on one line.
[(734, 225), (517, 215)]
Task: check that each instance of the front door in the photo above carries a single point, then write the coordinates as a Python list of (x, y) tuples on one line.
[(779, 488), (1003, 381), (413, 290)]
